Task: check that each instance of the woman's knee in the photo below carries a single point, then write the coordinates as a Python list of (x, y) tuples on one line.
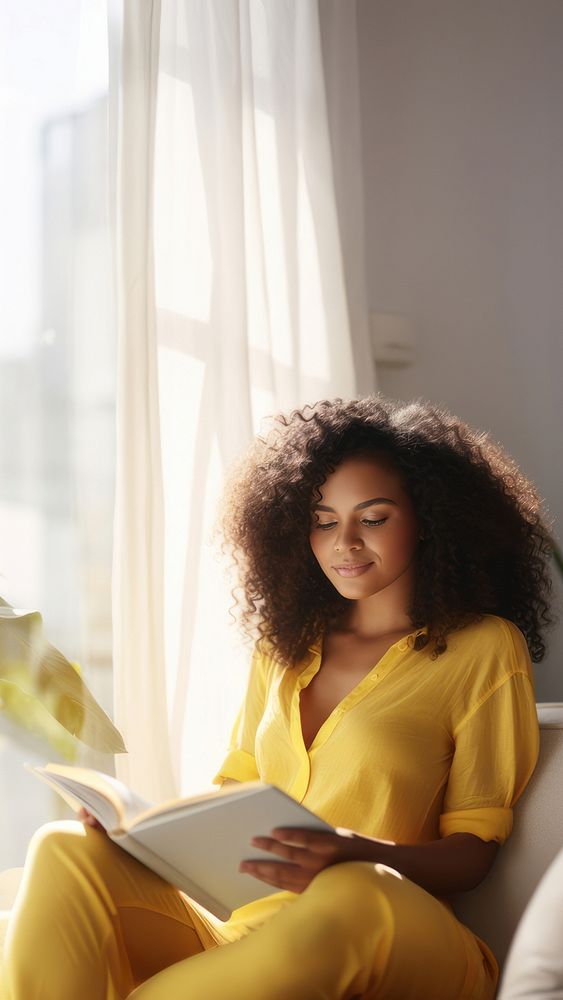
[(344, 913), (61, 847), (352, 883), (353, 894), (54, 839)]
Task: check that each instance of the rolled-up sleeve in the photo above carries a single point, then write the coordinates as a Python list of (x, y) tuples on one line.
[(496, 749), (240, 762)]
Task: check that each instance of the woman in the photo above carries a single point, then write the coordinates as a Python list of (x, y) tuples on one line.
[(394, 567)]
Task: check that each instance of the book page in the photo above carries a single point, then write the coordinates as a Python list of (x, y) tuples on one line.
[(192, 803), (109, 800)]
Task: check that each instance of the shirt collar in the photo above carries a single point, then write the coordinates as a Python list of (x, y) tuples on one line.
[(408, 641)]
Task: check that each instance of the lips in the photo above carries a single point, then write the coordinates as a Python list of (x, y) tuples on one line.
[(352, 569)]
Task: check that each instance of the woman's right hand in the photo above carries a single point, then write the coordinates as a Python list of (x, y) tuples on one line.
[(90, 820)]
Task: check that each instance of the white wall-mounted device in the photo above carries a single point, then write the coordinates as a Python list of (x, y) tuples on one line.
[(392, 339)]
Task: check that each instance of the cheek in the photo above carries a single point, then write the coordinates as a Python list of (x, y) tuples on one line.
[(404, 544)]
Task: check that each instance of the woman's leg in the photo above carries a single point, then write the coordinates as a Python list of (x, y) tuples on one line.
[(91, 923), (358, 930)]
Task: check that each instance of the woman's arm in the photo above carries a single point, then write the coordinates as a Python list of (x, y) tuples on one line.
[(451, 864)]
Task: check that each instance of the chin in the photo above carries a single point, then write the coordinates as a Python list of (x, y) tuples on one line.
[(354, 590)]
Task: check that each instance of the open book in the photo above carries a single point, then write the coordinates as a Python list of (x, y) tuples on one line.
[(195, 843)]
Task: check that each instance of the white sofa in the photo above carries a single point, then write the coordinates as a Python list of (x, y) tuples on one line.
[(534, 966), (494, 909)]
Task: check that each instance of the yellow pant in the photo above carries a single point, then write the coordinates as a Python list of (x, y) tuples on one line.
[(92, 923)]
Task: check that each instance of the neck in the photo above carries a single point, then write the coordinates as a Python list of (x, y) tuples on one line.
[(383, 613)]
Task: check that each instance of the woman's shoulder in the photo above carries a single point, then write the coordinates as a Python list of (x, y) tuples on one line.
[(265, 659), (495, 644), (485, 658), (492, 630)]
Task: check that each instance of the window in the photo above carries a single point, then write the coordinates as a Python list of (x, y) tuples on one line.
[(57, 360)]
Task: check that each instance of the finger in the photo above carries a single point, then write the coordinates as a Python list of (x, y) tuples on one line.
[(89, 820), (282, 876), (293, 835), (311, 840), (298, 855)]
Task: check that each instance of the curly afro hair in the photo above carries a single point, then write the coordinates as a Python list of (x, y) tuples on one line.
[(485, 547)]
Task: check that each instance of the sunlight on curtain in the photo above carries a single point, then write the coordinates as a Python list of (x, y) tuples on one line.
[(250, 317), (181, 221)]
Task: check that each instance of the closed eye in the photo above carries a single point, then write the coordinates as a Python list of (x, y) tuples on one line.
[(367, 521)]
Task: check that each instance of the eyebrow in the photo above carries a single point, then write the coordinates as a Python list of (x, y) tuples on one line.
[(359, 506)]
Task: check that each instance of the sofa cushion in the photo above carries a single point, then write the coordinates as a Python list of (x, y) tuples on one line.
[(494, 908)]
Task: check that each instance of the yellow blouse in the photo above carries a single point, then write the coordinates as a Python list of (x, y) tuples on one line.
[(419, 749)]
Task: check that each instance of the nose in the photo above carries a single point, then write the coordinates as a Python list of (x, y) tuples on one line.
[(347, 539)]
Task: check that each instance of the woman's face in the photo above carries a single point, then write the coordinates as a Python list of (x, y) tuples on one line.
[(364, 531)]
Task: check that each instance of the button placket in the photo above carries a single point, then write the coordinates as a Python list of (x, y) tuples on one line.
[(301, 782)]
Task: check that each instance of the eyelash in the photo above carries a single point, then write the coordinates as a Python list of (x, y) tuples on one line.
[(366, 521)]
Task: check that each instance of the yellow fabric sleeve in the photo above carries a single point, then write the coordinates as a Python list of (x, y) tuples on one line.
[(496, 749), (240, 763), (488, 824)]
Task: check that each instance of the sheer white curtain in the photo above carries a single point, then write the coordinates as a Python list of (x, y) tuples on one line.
[(234, 303)]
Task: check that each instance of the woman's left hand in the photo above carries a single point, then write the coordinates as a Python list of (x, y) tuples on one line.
[(305, 853)]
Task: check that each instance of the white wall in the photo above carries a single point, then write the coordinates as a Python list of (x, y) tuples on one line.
[(463, 161)]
